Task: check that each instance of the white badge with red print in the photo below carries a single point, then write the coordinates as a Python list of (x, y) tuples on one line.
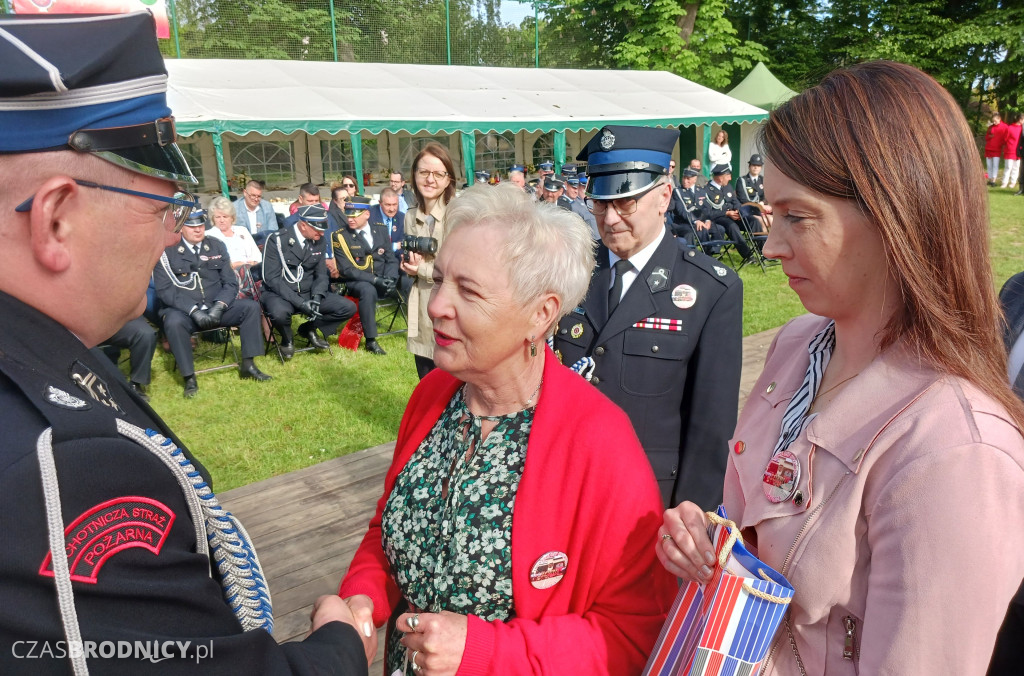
[(684, 296), (548, 570), (781, 477)]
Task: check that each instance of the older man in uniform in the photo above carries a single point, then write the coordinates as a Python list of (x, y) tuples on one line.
[(517, 177), (120, 559), (199, 291), (366, 263), (296, 280), (660, 331)]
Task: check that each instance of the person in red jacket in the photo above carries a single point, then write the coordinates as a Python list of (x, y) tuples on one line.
[(514, 533), (995, 139), (1011, 165)]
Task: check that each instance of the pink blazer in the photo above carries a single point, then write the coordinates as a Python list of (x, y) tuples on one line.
[(909, 541)]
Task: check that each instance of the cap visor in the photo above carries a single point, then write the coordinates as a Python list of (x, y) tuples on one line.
[(614, 186), (164, 162)]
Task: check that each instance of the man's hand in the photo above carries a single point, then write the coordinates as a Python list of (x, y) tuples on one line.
[(703, 225), (203, 320), (311, 308), (733, 214), (217, 311), (332, 267)]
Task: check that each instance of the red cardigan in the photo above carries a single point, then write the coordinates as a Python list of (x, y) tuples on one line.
[(588, 491)]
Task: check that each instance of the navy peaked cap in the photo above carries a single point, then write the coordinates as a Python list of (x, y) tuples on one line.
[(314, 215), (720, 169), (93, 83), (623, 161)]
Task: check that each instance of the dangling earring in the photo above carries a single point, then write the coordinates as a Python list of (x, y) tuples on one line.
[(533, 347)]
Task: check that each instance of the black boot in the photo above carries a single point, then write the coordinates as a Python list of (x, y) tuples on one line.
[(191, 386)]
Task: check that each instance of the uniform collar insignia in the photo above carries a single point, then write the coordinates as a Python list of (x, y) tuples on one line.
[(578, 310), (181, 249), (93, 385), (60, 398), (291, 241), (658, 279), (722, 272)]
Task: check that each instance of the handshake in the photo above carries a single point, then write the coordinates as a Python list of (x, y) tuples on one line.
[(210, 317), (356, 611)]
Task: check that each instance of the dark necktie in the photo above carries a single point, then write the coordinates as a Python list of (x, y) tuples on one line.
[(622, 266), (367, 239)]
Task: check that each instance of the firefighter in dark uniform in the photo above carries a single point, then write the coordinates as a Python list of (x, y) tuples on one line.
[(118, 557), (296, 280), (198, 290), (684, 216), (722, 207), (366, 263), (554, 192), (660, 331), (750, 188)]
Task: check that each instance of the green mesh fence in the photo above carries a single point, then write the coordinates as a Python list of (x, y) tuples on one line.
[(460, 32)]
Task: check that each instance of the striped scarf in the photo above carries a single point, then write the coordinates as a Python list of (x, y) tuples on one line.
[(796, 418)]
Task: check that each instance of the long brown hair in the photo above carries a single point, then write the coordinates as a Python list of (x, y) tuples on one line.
[(441, 153), (926, 195)]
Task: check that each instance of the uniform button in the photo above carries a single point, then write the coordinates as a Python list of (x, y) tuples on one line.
[(739, 447), (563, 332), (691, 253), (599, 351), (771, 387), (798, 498), (654, 348), (595, 380), (674, 472)]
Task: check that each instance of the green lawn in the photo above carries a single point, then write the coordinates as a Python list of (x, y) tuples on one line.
[(322, 406)]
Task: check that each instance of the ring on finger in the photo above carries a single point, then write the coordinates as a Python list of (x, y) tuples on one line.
[(415, 667), (414, 621), (666, 537)]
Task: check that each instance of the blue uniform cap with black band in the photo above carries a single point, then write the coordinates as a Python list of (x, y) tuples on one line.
[(356, 204), (196, 218), (313, 215), (624, 161), (517, 167), (546, 166), (89, 83), (482, 176)]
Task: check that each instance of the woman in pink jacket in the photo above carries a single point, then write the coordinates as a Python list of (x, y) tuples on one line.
[(513, 536), (901, 521)]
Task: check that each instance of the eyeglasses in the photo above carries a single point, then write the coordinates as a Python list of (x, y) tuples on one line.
[(348, 185), (438, 175), (183, 203), (624, 206), (254, 195)]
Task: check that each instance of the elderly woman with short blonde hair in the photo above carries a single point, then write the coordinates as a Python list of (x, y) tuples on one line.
[(492, 550), (241, 246)]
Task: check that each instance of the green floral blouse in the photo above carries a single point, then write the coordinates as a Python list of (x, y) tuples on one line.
[(447, 525)]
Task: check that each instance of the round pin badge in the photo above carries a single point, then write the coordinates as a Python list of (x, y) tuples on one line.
[(548, 570), (781, 477), (684, 296), (576, 331)]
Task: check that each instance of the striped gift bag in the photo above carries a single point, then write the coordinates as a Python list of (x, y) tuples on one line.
[(725, 626)]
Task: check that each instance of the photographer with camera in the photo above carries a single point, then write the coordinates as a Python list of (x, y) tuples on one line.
[(295, 280), (366, 263), (433, 175)]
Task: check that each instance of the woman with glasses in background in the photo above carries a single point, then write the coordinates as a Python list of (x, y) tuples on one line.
[(433, 182)]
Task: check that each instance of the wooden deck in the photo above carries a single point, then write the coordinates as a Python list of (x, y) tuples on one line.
[(307, 524)]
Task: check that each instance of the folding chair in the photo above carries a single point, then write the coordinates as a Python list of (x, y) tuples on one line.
[(268, 330), (755, 235), (725, 246), (389, 310), (221, 335)]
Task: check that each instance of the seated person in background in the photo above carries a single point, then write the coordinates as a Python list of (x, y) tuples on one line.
[(240, 244), (366, 263), (389, 214), (722, 207), (139, 338), (406, 197), (750, 188), (702, 180), (256, 214), (295, 279), (199, 291), (335, 221), (685, 209), (308, 194)]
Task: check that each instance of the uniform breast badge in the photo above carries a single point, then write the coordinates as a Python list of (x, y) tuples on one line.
[(576, 331)]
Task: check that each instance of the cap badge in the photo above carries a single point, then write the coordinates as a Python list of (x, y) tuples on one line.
[(607, 140), (548, 570)]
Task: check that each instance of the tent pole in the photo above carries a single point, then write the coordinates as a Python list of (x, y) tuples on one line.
[(334, 31), (357, 159), (536, 36), (174, 25), (218, 149), (468, 139), (448, 29), (559, 143), (705, 130)]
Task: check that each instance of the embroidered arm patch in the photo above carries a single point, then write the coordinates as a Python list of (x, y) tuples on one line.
[(108, 528)]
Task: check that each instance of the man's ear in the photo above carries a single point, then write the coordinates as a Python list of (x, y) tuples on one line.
[(50, 222)]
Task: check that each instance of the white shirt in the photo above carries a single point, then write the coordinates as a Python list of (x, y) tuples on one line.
[(638, 260), (254, 225), (366, 234), (240, 245)]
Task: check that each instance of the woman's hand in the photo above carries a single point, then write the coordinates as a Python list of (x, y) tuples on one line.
[(411, 264), (361, 606), (329, 608), (435, 641), (686, 552)]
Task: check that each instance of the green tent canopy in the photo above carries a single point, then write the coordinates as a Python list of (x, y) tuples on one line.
[(762, 89)]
